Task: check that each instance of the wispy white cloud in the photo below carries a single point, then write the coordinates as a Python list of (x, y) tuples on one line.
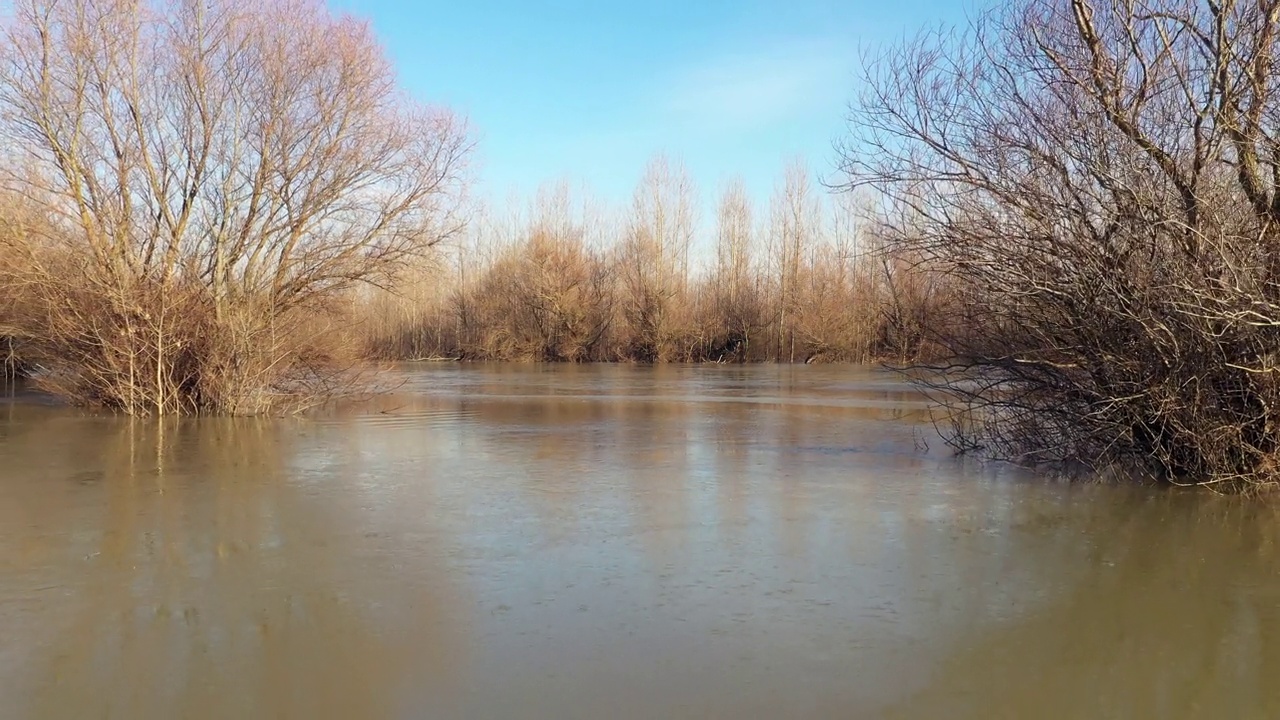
[(744, 113), (746, 91)]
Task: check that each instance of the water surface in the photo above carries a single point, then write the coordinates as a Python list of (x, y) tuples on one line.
[(609, 542)]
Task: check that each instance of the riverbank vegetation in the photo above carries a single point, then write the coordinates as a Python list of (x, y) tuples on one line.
[(1100, 182), (566, 281), (229, 207), (1063, 217), (192, 188)]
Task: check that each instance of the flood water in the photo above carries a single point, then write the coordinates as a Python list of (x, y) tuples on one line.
[(610, 542)]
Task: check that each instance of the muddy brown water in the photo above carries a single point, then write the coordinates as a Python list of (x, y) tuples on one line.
[(610, 542)]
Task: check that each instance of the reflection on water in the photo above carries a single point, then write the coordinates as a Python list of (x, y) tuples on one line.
[(586, 542), (186, 570)]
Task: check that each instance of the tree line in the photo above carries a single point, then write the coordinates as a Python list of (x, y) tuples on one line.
[(803, 281), (227, 207), (1061, 216)]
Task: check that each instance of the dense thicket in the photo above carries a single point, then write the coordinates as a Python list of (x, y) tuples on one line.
[(1100, 181), (566, 282)]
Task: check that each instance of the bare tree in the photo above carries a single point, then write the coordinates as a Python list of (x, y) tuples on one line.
[(653, 260), (795, 223), (558, 295), (735, 283), (212, 172), (1100, 182)]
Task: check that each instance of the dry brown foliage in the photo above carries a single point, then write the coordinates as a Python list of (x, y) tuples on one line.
[(566, 284), (206, 181)]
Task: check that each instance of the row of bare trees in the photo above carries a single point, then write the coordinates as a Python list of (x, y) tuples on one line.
[(190, 189), (566, 281), (1076, 203), (193, 192)]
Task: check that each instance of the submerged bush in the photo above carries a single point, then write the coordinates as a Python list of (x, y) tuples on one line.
[(1100, 182), (201, 184), (156, 348)]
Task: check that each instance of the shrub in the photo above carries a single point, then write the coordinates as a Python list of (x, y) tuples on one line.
[(1098, 184), (211, 178)]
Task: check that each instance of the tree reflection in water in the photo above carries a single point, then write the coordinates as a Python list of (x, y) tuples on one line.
[(181, 569)]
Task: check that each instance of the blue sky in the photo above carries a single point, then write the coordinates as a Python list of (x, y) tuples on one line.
[(588, 90)]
